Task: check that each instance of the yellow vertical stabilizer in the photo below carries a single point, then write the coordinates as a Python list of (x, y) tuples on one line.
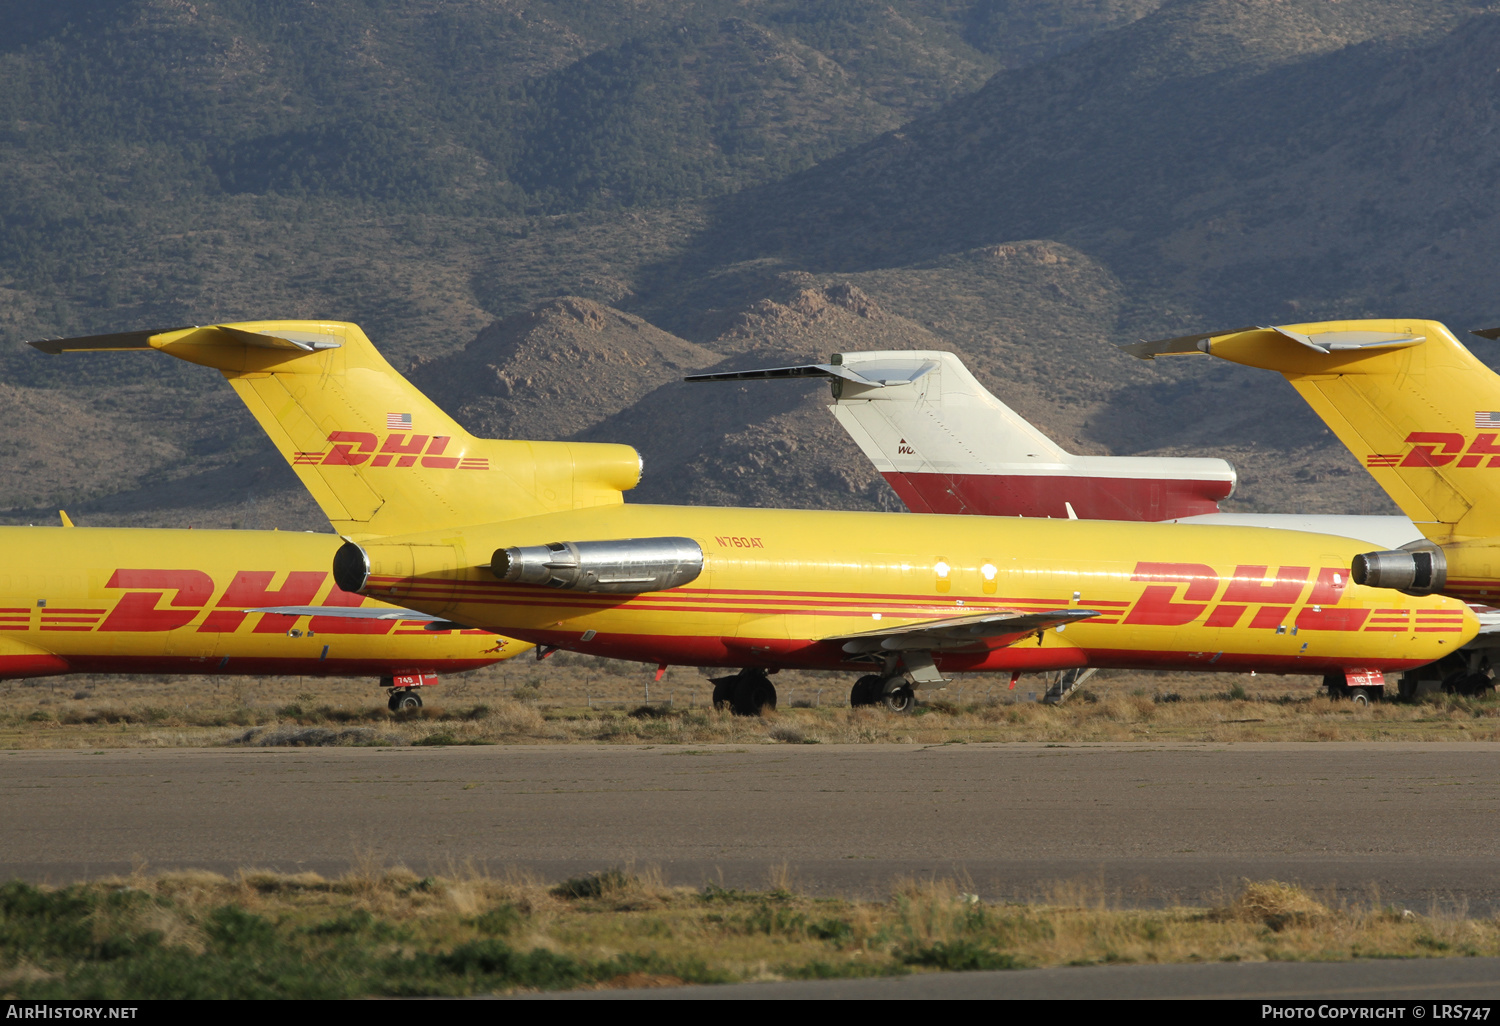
[(377, 455), (1413, 405)]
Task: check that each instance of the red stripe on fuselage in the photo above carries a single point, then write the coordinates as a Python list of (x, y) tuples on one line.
[(1025, 495)]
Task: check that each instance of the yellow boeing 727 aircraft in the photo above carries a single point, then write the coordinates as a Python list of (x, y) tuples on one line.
[(143, 600), (534, 539), (1423, 416)]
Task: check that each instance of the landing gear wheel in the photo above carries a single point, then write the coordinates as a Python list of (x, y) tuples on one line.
[(1334, 684), (1469, 684), (1406, 688), (404, 701), (756, 696), (901, 700), (745, 694), (866, 690), (1358, 696)]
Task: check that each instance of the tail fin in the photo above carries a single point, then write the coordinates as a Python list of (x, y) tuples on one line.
[(377, 455), (1405, 396), (946, 445)]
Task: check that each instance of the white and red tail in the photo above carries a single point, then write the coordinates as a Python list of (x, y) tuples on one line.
[(946, 445)]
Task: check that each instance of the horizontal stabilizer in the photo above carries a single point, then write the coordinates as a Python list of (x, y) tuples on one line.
[(1322, 342), (871, 376), (1147, 349), (1493, 334), (213, 333), (976, 630), (120, 340)]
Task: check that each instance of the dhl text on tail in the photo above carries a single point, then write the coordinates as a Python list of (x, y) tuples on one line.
[(534, 539)]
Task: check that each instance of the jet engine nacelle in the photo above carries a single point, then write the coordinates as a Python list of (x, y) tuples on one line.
[(1421, 569), (626, 565)]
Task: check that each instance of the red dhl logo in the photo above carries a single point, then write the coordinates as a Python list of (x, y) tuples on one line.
[(166, 600), (1440, 449), (353, 448), (1178, 594)]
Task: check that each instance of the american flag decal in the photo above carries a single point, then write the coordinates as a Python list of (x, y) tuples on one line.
[(398, 422), (1487, 419), (1377, 459)]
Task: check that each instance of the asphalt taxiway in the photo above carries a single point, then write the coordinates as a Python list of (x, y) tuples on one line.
[(1411, 824)]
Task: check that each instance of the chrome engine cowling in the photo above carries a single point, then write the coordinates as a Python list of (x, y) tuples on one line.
[(1421, 569), (625, 565)]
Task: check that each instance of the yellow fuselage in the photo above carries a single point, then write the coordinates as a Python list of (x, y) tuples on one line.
[(135, 600), (776, 584)]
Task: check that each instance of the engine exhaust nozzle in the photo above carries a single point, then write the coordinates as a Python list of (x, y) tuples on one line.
[(351, 567), (1415, 572)]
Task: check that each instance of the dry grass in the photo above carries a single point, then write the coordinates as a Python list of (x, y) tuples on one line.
[(655, 935), (592, 701)]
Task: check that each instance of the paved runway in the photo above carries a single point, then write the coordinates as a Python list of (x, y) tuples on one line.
[(1150, 823)]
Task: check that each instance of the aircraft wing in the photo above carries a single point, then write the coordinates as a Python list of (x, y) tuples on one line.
[(348, 612), (984, 630), (434, 623), (1493, 334)]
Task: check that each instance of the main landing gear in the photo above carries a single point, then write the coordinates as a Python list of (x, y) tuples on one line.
[(405, 690), (892, 692), (1338, 687), (403, 701), (1465, 672), (747, 693)]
